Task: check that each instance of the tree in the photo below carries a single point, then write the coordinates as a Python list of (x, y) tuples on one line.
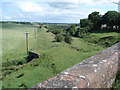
[(118, 22), (95, 18), (81, 32), (72, 31), (86, 23), (110, 18), (68, 39), (73, 26), (56, 31), (59, 37)]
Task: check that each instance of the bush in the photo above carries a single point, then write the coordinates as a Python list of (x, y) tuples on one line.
[(81, 32), (57, 31), (15, 62), (46, 27), (59, 37), (72, 31), (68, 39), (48, 31), (23, 85), (73, 26)]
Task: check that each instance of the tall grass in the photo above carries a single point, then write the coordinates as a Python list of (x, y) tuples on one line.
[(55, 56)]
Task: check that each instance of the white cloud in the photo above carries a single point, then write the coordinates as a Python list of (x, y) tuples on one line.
[(59, 9), (29, 7), (56, 10), (85, 2), (73, 1)]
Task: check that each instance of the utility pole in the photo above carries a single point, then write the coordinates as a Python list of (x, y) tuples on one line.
[(118, 3), (35, 32), (26, 41)]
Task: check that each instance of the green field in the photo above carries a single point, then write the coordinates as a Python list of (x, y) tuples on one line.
[(13, 40), (55, 56)]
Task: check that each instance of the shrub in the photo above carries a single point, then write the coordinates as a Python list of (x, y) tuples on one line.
[(81, 32), (59, 37), (56, 31), (15, 62), (73, 26), (68, 39), (48, 31), (72, 31), (21, 62), (23, 85), (46, 27)]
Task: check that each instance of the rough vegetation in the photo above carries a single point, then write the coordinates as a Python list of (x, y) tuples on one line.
[(60, 45), (59, 37)]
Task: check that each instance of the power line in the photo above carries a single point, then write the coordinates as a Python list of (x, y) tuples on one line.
[(115, 2)]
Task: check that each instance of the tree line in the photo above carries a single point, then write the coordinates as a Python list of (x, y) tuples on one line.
[(109, 21)]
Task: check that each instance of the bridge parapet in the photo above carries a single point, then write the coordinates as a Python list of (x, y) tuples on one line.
[(98, 71)]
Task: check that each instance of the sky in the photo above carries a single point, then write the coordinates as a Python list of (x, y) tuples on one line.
[(53, 11)]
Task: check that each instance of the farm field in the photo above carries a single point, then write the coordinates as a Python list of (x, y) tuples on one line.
[(13, 40), (55, 56)]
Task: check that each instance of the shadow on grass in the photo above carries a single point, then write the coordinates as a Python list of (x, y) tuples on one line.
[(32, 56), (54, 41), (105, 31)]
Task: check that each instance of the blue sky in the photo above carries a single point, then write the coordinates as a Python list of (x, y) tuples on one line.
[(54, 11)]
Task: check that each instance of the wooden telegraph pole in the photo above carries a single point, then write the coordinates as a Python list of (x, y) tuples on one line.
[(35, 32), (26, 41)]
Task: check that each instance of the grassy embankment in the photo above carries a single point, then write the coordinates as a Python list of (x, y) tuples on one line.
[(55, 56)]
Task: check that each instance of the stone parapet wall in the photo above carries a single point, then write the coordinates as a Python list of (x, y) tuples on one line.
[(98, 71)]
